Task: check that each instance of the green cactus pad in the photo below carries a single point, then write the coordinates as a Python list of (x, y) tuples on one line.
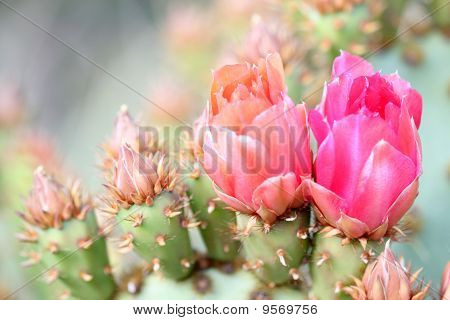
[(159, 236), (333, 264), (275, 256), (216, 221), (211, 285), (77, 256)]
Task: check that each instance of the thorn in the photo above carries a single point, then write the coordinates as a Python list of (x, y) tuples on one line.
[(51, 276), (107, 269), (185, 263), (84, 243), (126, 243), (338, 287), (160, 240), (248, 228), (28, 235), (415, 275), (258, 264), (53, 247), (170, 213), (156, 265), (399, 231), (33, 259), (281, 255), (365, 256), (291, 217), (137, 219), (271, 285), (333, 232), (267, 227), (85, 276), (190, 224), (211, 206), (302, 234), (226, 248), (294, 274), (326, 229), (323, 258), (363, 242), (345, 241)]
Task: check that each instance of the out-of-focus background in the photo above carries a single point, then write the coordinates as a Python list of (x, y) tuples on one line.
[(67, 66)]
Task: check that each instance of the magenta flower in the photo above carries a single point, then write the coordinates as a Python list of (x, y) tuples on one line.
[(368, 162), (445, 283), (254, 140)]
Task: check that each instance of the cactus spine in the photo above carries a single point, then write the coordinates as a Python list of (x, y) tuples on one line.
[(159, 235), (216, 222), (335, 263), (274, 255), (63, 239)]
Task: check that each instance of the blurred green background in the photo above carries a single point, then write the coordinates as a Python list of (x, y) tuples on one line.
[(164, 50)]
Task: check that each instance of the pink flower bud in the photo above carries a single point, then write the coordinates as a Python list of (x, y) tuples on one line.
[(369, 157), (138, 178), (255, 141), (387, 279), (445, 284), (49, 203), (126, 130)]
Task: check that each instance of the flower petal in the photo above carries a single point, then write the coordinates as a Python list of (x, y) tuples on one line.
[(329, 204), (402, 204), (276, 193), (232, 202), (385, 175), (351, 227), (352, 65)]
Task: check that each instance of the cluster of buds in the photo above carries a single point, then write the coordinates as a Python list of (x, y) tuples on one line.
[(50, 203), (387, 279)]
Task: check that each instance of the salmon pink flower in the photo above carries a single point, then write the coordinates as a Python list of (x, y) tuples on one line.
[(368, 161), (254, 140)]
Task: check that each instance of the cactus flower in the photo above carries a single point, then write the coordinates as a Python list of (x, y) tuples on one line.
[(369, 152), (255, 141), (445, 284), (138, 178), (49, 203), (386, 279)]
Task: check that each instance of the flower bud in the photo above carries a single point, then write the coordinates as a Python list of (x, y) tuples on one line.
[(386, 279), (138, 178), (126, 130), (49, 203)]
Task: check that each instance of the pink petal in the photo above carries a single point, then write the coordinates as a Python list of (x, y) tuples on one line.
[(385, 175), (276, 193), (319, 126), (354, 138), (324, 166), (275, 77), (351, 227), (402, 204), (335, 98), (329, 204), (351, 65), (413, 102), (232, 202)]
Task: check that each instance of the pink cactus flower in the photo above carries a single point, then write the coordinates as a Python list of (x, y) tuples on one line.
[(254, 140), (387, 279), (139, 178), (368, 161), (445, 284), (50, 203)]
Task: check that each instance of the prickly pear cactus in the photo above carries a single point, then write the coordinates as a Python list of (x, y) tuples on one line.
[(159, 235), (275, 255), (217, 224), (63, 239), (335, 263)]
